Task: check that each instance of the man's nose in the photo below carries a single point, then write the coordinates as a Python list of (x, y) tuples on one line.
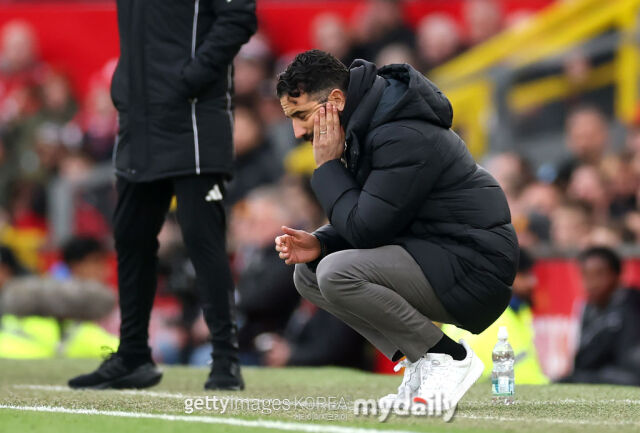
[(298, 130)]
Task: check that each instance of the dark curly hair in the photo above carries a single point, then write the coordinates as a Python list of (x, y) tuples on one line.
[(313, 72), (607, 254)]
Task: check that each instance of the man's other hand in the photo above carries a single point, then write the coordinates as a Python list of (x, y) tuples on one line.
[(297, 246)]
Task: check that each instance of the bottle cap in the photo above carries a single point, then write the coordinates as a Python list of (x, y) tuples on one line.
[(502, 333)]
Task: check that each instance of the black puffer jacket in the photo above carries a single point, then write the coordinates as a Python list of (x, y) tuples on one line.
[(411, 181), (173, 85)]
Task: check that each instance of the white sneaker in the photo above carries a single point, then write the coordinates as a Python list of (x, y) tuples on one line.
[(410, 382), (449, 379)]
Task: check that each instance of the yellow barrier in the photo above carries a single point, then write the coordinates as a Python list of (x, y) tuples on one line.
[(510, 42), (554, 31)]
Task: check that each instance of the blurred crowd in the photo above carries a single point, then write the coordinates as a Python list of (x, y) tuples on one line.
[(588, 198), (48, 135)]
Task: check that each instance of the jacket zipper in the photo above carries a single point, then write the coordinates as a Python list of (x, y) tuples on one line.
[(114, 153), (195, 100), (229, 111)]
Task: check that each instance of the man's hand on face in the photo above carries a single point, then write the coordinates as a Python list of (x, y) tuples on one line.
[(328, 135)]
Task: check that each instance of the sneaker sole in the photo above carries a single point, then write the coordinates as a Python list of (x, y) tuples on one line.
[(133, 380), (475, 371)]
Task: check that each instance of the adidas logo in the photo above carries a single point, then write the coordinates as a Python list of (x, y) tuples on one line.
[(214, 194)]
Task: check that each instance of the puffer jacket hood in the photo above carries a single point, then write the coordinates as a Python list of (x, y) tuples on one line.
[(394, 92), (379, 96), (410, 95)]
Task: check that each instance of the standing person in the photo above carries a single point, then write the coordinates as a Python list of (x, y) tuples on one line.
[(172, 89), (418, 231)]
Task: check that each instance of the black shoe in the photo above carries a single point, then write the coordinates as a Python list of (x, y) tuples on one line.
[(225, 375), (113, 373)]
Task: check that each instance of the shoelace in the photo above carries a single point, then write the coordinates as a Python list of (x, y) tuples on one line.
[(434, 377), (410, 368), (404, 363), (110, 362), (107, 352)]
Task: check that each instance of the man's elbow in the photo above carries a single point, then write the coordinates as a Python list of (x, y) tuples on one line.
[(362, 237)]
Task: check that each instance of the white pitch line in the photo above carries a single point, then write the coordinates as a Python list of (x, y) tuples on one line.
[(281, 425), (160, 394), (59, 388), (275, 425), (464, 404)]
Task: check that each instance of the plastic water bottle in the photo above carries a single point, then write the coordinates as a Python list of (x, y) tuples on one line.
[(502, 378)]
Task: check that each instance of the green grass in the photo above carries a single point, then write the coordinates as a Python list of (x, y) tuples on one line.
[(547, 409)]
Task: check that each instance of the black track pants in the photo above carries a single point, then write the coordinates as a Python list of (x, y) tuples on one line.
[(139, 215)]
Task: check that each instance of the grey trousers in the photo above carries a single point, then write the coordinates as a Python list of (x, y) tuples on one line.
[(382, 293)]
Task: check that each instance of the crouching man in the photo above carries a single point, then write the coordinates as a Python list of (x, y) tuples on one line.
[(418, 231)]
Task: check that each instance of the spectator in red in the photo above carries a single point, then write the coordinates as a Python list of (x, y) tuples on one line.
[(20, 72), (329, 33), (98, 118), (40, 140), (379, 24), (483, 19), (437, 40)]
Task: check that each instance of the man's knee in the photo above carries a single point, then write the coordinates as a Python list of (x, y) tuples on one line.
[(195, 240), (337, 273)]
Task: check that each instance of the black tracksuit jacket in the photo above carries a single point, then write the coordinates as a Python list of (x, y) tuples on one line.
[(173, 85)]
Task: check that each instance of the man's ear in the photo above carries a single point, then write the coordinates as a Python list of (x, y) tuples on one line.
[(337, 98)]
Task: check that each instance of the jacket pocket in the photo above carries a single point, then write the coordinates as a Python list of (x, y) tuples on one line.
[(170, 120), (121, 157), (119, 89)]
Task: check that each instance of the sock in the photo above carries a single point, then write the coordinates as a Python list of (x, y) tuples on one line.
[(448, 346), (396, 356)]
